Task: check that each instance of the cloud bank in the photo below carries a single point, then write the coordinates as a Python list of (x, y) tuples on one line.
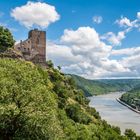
[(82, 52)]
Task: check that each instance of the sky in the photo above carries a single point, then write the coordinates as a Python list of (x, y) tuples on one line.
[(91, 38)]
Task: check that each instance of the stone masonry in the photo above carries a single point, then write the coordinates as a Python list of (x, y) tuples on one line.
[(34, 48)]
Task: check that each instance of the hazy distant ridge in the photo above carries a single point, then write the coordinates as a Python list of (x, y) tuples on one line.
[(103, 86)]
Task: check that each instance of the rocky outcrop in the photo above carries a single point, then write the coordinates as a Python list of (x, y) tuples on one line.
[(11, 53), (14, 54)]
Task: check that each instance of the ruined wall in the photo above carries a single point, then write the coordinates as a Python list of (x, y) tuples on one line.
[(34, 48)]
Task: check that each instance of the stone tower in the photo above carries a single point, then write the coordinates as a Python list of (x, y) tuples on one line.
[(34, 48), (38, 45)]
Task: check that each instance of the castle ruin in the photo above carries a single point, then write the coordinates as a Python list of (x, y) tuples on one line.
[(34, 48)]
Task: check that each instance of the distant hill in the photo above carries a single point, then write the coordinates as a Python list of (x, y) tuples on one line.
[(103, 86)]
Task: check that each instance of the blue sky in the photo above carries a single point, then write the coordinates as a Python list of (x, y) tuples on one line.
[(115, 22), (76, 13)]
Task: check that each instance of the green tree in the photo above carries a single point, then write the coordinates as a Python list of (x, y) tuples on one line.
[(27, 106), (50, 64), (59, 68), (138, 138), (75, 113), (117, 129), (130, 134), (6, 39)]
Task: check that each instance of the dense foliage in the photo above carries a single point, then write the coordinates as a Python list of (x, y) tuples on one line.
[(96, 87), (6, 39), (44, 104), (132, 97)]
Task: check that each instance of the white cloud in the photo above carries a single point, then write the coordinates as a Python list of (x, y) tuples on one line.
[(138, 15), (85, 41), (124, 22), (126, 51), (97, 19), (82, 52), (35, 13), (127, 23), (114, 39), (130, 60), (81, 36), (61, 54), (133, 64)]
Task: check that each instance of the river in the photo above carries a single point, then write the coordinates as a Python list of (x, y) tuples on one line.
[(115, 113)]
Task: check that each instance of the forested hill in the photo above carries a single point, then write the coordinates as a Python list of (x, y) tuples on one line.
[(43, 104), (103, 86)]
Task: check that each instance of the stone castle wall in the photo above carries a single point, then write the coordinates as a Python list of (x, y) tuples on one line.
[(34, 48)]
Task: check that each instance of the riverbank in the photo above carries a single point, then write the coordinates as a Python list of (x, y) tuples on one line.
[(115, 113), (131, 108)]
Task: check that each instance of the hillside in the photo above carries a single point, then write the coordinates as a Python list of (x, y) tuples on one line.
[(132, 98), (103, 86), (43, 104)]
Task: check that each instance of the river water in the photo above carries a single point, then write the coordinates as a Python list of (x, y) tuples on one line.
[(115, 113)]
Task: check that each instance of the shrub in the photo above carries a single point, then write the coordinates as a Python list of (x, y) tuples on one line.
[(75, 113)]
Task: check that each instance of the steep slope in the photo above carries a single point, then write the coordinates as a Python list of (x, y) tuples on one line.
[(39, 104), (103, 86)]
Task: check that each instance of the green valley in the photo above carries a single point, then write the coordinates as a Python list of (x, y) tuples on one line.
[(103, 86)]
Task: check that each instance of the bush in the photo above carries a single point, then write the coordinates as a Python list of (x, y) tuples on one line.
[(50, 64), (75, 113), (28, 109), (130, 134), (117, 129)]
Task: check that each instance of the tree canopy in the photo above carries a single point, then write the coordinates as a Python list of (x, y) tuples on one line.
[(6, 39)]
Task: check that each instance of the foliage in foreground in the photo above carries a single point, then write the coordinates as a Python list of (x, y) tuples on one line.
[(37, 104)]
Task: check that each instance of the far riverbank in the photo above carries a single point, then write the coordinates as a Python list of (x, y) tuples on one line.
[(131, 108)]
